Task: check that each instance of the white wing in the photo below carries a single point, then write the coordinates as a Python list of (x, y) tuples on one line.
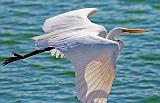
[(66, 23), (94, 59), (98, 77), (68, 20)]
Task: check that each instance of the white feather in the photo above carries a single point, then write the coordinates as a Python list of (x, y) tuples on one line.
[(67, 20), (95, 60)]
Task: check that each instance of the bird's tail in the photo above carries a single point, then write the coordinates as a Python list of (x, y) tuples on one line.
[(42, 42)]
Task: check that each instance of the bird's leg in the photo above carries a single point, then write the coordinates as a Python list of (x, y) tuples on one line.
[(16, 56)]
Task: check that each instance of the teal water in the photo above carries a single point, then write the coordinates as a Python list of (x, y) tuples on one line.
[(45, 79)]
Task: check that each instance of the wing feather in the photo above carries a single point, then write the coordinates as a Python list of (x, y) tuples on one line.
[(99, 79), (65, 25), (94, 59), (68, 20)]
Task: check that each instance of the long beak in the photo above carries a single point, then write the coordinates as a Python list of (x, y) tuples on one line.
[(135, 30)]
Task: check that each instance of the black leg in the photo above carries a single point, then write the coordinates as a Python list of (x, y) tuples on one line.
[(19, 57)]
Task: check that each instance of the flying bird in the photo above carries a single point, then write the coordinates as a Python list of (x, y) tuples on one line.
[(88, 46)]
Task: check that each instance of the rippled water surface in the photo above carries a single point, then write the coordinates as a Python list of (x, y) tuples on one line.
[(45, 79)]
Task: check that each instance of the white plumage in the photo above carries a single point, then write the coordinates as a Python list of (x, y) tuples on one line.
[(80, 41)]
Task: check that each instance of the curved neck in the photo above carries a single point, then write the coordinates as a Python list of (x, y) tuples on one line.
[(113, 34)]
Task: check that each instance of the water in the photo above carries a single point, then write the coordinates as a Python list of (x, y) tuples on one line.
[(45, 79)]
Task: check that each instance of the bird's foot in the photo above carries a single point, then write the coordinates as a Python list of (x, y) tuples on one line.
[(15, 57)]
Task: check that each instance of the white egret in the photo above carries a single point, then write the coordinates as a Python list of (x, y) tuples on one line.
[(87, 45)]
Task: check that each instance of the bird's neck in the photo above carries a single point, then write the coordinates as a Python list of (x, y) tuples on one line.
[(121, 44), (113, 34)]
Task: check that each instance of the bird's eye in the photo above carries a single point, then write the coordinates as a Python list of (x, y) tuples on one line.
[(124, 30)]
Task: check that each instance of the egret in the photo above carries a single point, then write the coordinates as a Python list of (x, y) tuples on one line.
[(88, 46)]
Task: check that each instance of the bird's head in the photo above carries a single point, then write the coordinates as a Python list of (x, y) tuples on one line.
[(114, 33)]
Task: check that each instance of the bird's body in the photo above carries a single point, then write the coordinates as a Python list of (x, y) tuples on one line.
[(90, 49)]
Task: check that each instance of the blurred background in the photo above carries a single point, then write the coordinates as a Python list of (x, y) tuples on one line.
[(45, 79)]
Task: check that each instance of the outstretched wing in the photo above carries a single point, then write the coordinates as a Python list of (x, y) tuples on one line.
[(94, 59), (66, 23), (68, 20), (95, 82)]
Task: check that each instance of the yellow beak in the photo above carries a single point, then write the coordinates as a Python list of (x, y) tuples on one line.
[(135, 30)]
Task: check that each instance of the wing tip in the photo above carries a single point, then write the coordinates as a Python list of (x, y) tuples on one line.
[(85, 12), (89, 11), (36, 37)]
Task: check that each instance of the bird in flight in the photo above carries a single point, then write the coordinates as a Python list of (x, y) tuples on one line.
[(88, 46)]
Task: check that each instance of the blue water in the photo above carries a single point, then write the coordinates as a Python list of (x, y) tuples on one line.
[(45, 79)]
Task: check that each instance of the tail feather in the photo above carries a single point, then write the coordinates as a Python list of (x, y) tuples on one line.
[(42, 43)]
